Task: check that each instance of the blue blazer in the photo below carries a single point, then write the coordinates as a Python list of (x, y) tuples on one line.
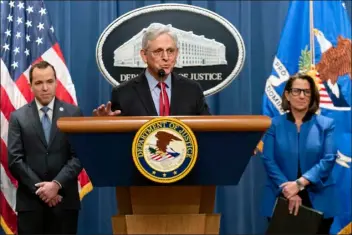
[(313, 147)]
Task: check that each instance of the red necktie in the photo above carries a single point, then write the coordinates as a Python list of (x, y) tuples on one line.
[(164, 106)]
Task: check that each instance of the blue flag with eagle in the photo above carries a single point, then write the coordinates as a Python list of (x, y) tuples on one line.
[(330, 27)]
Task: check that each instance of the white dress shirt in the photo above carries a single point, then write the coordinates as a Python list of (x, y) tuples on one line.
[(155, 90), (50, 111)]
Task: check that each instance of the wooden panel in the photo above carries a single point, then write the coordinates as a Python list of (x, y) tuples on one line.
[(207, 199), (212, 224), (123, 198), (166, 224), (196, 123), (166, 199), (119, 224)]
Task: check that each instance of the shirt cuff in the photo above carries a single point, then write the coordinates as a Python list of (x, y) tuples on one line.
[(58, 183)]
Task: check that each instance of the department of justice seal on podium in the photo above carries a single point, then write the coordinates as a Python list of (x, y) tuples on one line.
[(164, 150)]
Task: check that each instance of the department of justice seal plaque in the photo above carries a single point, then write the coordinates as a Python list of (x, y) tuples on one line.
[(164, 150)]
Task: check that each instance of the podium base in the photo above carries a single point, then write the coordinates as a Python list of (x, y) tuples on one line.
[(166, 210), (166, 224)]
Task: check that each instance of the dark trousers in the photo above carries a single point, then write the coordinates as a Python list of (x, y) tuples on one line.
[(47, 220), (325, 225)]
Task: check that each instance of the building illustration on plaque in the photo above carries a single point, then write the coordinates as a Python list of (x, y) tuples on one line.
[(194, 50)]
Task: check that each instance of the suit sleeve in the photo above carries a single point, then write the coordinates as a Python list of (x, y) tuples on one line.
[(322, 170), (202, 106), (115, 101), (271, 167), (73, 167), (16, 159)]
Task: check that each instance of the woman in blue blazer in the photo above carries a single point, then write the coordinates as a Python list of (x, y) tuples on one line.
[(299, 154)]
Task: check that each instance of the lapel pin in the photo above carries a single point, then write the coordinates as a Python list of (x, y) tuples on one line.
[(61, 109)]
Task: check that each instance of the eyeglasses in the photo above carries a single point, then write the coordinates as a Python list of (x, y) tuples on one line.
[(160, 52), (298, 91)]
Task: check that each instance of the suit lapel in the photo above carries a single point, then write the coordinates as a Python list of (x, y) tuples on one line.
[(293, 137), (176, 94), (37, 125), (57, 113), (144, 94), (292, 155)]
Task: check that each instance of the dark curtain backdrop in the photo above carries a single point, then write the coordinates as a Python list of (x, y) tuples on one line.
[(78, 25)]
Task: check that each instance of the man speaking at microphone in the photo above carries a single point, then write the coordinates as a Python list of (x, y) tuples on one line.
[(157, 91)]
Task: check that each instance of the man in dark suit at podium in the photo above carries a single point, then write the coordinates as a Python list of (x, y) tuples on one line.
[(42, 160), (157, 91)]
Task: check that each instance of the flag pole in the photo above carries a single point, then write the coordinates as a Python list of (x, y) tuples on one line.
[(311, 32)]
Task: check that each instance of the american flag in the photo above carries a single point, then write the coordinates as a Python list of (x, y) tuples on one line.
[(325, 100), (27, 36)]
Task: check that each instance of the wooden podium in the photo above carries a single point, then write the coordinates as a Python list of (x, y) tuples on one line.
[(104, 146)]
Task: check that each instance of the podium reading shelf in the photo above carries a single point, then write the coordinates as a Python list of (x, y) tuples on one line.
[(104, 146)]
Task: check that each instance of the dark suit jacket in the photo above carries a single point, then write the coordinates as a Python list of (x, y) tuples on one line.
[(32, 160), (134, 98)]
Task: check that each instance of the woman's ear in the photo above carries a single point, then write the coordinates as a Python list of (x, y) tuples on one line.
[(287, 95)]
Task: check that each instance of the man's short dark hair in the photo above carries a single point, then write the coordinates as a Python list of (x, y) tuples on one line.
[(314, 99), (40, 65)]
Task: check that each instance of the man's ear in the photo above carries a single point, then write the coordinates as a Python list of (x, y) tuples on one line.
[(143, 54), (30, 85)]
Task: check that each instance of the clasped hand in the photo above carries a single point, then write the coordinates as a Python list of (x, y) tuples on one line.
[(290, 190), (48, 192), (105, 111)]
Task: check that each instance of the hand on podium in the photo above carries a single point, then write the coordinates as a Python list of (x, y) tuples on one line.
[(105, 111)]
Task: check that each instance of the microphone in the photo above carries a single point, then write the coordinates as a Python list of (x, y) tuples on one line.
[(161, 74)]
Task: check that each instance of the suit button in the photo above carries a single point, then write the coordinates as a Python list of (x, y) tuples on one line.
[(45, 173), (47, 153)]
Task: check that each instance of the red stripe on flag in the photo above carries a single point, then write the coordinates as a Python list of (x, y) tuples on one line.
[(5, 104), (326, 102), (83, 178), (58, 51), (37, 60), (4, 162), (24, 88), (8, 214), (62, 93)]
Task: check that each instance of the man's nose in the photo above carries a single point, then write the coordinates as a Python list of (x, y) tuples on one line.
[(164, 55)]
